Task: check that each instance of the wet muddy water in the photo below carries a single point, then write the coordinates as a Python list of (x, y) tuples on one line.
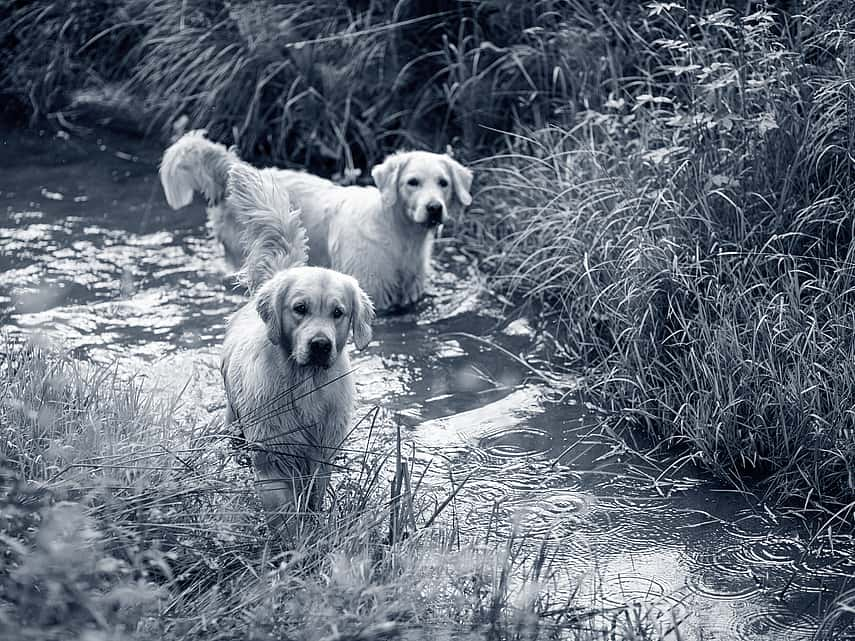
[(91, 255)]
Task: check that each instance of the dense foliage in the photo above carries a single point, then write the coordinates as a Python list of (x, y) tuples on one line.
[(330, 84), (694, 234), (669, 182)]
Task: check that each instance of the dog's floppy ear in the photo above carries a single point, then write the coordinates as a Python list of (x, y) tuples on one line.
[(267, 304), (385, 176), (461, 179), (362, 315)]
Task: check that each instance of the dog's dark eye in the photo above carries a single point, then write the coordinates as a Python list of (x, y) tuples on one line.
[(338, 312), (443, 183), (300, 309), (413, 182)]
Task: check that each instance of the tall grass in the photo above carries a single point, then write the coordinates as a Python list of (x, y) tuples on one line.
[(694, 238), (50, 49), (119, 520), (327, 84)]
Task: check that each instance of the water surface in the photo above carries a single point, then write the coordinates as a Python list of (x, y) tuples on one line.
[(90, 254)]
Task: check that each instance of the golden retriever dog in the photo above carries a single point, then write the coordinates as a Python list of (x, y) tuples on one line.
[(284, 365), (383, 236)]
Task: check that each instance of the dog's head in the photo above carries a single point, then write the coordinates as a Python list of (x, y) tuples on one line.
[(424, 187), (309, 312)]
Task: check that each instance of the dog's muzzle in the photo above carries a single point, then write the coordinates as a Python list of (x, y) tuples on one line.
[(435, 214), (320, 351)]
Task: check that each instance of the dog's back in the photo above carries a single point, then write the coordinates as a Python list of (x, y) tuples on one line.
[(321, 202)]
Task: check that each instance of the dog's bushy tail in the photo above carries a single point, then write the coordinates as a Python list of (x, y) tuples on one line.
[(273, 233), (193, 163)]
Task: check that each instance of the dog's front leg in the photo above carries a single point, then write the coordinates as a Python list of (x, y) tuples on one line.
[(330, 443), (282, 494), (320, 482)]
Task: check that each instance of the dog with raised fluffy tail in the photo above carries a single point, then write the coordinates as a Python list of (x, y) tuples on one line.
[(383, 236), (287, 376)]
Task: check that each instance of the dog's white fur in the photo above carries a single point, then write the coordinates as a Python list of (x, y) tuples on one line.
[(383, 235), (292, 410)]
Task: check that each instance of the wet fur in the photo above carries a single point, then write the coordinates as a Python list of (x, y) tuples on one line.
[(195, 164), (272, 234), (372, 233), (293, 414)]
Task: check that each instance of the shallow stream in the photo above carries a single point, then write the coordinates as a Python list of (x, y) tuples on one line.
[(91, 254)]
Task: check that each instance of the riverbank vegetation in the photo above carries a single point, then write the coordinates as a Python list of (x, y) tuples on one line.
[(670, 183), (332, 85), (122, 519), (694, 235)]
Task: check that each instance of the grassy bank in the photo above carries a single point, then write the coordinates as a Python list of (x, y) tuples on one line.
[(694, 240), (328, 84), (120, 521)]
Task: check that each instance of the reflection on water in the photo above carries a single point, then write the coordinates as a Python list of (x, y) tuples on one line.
[(92, 256)]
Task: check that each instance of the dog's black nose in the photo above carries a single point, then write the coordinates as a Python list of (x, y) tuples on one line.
[(434, 212), (320, 348)]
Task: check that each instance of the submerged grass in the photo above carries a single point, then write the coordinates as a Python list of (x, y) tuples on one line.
[(121, 521)]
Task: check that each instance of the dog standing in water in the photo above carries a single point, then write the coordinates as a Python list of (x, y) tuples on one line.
[(383, 236), (287, 377)]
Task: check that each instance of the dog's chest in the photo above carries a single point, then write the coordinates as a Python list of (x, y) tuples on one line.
[(295, 410), (392, 273)]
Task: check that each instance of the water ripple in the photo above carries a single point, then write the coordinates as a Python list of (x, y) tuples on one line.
[(517, 442), (774, 623)]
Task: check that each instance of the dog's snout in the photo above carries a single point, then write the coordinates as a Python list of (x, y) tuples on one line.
[(320, 348), (434, 211)]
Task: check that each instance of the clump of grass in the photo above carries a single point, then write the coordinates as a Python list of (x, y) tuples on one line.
[(839, 623), (326, 85), (336, 89), (51, 49), (242, 72), (121, 521), (693, 238)]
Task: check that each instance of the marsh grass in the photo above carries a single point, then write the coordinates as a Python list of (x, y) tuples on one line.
[(122, 521), (329, 85), (50, 49), (694, 239)]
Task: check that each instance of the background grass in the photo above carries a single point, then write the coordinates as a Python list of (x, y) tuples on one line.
[(328, 84)]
